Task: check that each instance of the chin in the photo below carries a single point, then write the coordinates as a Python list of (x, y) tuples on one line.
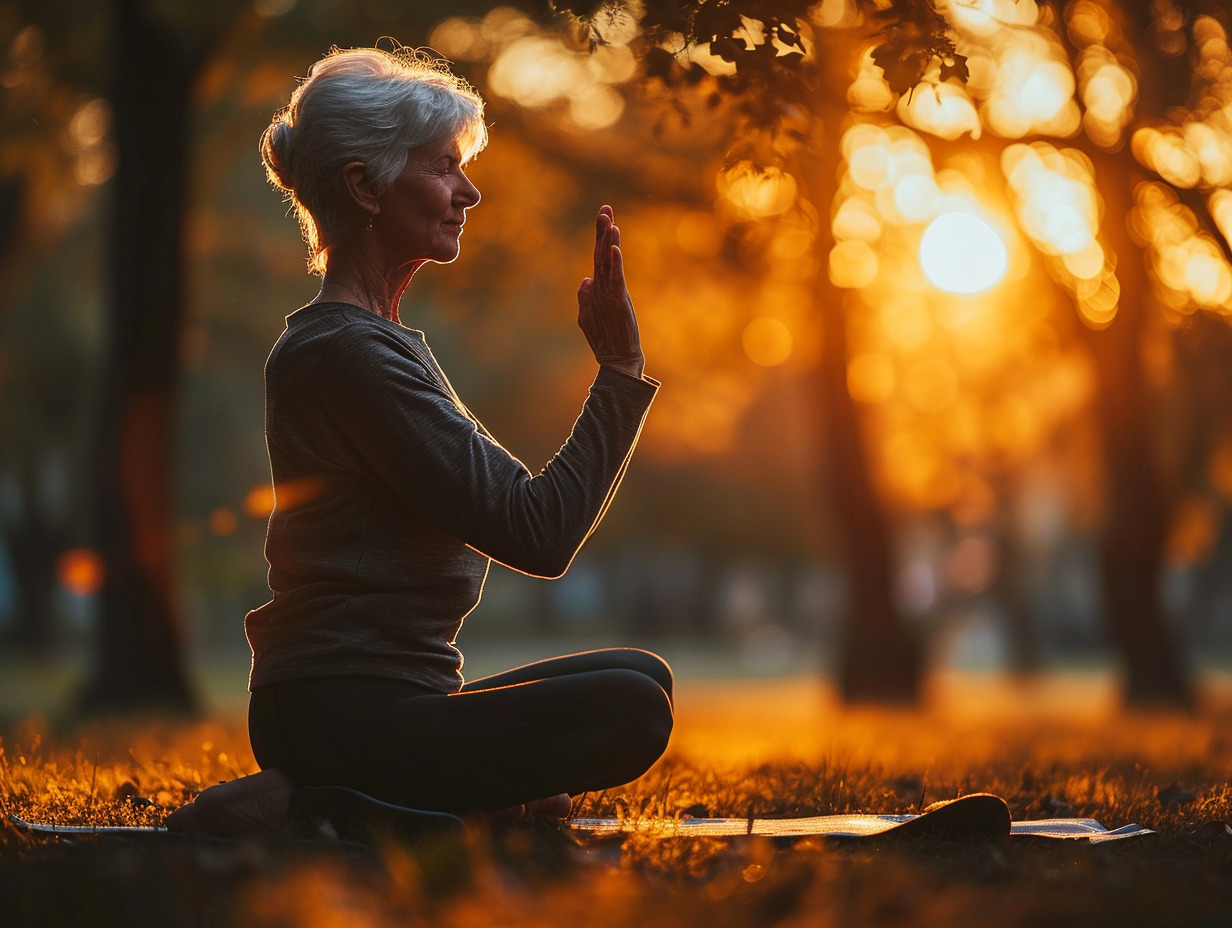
[(446, 255)]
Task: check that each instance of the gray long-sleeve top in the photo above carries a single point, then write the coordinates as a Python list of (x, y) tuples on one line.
[(391, 500)]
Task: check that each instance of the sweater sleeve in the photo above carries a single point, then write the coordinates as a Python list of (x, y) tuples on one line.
[(388, 415)]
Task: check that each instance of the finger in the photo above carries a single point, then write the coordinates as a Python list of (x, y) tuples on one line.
[(618, 267), (603, 268), (602, 224), (615, 259)]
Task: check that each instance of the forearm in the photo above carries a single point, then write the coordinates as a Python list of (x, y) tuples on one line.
[(537, 524)]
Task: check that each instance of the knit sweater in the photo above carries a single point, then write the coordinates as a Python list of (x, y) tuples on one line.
[(391, 500)]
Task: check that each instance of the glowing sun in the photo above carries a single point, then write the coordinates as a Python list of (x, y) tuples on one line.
[(961, 253)]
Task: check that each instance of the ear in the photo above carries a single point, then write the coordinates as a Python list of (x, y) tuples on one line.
[(360, 188)]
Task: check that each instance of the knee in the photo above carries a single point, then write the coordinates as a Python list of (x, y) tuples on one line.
[(643, 706), (655, 667)]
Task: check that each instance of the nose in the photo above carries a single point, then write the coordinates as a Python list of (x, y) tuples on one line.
[(468, 194)]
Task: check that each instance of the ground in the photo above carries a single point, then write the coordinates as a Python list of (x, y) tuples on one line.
[(1051, 748)]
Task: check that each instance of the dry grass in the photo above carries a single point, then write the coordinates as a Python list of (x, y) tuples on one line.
[(778, 748)]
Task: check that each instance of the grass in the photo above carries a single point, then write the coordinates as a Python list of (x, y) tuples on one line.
[(769, 748)]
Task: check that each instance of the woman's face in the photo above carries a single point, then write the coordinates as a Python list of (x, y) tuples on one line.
[(423, 210)]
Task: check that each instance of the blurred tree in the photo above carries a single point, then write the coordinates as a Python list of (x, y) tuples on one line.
[(157, 53), (1098, 72), (783, 78), (50, 157)]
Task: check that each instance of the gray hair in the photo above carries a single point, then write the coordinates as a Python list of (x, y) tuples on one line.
[(366, 105)]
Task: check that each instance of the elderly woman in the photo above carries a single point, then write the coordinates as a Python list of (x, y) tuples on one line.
[(392, 499)]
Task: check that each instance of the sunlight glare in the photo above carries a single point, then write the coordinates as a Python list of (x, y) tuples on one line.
[(961, 253)]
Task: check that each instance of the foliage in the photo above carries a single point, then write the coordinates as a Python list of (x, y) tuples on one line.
[(770, 43)]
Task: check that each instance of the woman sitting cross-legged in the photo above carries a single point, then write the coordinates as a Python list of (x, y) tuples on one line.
[(392, 499)]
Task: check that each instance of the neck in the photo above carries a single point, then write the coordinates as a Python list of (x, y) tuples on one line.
[(359, 280)]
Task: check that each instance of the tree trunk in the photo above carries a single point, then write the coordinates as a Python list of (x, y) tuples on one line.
[(880, 657), (33, 545), (139, 661), (1137, 509)]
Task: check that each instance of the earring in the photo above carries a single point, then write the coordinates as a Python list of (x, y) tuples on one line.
[(369, 223)]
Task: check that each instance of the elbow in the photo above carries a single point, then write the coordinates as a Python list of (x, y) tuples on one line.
[(539, 557), (547, 565)]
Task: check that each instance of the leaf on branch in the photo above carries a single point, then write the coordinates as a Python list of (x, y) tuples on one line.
[(904, 63), (955, 67), (665, 16), (583, 9), (726, 48), (788, 36), (716, 20), (659, 63)]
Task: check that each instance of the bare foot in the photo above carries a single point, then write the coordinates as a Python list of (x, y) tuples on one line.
[(557, 806), (251, 805), (551, 807)]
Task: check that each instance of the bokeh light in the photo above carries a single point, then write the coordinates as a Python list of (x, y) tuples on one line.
[(755, 192), (1187, 264), (536, 69), (223, 521), (767, 341), (80, 571), (259, 501)]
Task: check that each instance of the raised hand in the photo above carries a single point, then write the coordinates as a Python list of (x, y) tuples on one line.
[(605, 310)]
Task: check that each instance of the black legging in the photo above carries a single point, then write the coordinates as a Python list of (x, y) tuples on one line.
[(566, 725)]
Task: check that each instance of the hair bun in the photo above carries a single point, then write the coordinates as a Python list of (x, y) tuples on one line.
[(277, 153)]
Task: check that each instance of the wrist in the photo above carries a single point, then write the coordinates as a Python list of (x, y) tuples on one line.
[(634, 368)]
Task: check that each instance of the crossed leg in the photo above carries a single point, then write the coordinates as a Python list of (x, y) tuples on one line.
[(567, 725)]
